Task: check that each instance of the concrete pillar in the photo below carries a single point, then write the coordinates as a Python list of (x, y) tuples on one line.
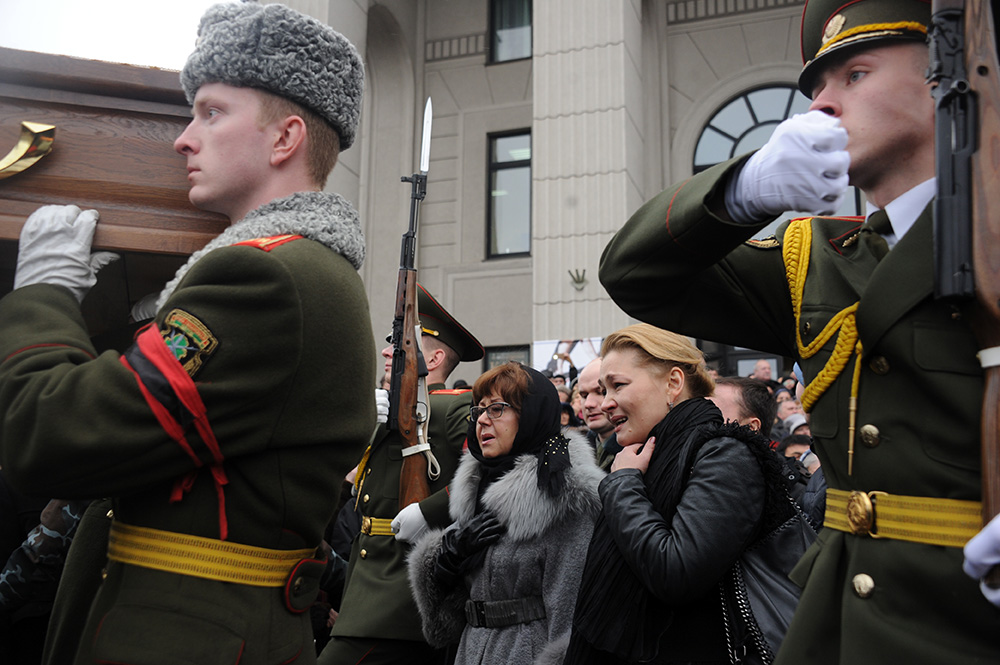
[(587, 155)]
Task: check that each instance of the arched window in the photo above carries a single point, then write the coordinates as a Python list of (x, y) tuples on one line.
[(746, 122), (741, 125)]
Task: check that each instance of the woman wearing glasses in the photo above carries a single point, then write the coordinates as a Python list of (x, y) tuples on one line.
[(502, 581)]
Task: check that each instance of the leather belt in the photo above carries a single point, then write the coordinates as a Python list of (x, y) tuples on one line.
[(500, 613), (206, 558), (917, 519), (376, 526)]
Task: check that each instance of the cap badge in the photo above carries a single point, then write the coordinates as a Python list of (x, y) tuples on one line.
[(833, 27)]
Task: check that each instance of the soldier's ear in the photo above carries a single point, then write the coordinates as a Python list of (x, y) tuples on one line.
[(434, 359), (289, 139)]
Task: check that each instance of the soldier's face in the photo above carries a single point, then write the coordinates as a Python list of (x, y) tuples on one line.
[(882, 101), (227, 151)]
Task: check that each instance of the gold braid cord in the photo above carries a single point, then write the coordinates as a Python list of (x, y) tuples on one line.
[(795, 252)]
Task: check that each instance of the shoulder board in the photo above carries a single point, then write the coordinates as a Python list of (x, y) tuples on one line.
[(267, 244), (451, 391), (769, 242)]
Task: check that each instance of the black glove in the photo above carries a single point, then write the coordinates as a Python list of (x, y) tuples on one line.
[(463, 550)]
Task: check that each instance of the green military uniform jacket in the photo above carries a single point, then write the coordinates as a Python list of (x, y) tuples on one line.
[(678, 266), (272, 335), (377, 602)]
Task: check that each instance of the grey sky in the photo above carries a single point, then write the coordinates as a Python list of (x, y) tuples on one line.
[(138, 32)]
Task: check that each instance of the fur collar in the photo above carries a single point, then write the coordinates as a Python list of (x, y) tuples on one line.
[(326, 218), (515, 499)]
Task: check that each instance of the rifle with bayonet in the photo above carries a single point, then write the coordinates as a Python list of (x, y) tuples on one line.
[(408, 402), (966, 74)]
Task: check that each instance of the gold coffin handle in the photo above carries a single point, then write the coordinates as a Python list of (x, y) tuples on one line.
[(34, 143)]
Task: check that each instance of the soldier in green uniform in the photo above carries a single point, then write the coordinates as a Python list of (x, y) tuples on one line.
[(379, 621), (223, 432), (893, 383)]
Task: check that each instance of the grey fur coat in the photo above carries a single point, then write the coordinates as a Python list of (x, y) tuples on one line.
[(541, 554)]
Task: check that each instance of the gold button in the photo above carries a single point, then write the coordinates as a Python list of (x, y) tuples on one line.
[(298, 584), (870, 436), (806, 327), (364, 554), (864, 585), (104, 573), (879, 365), (111, 514), (365, 498), (366, 526)]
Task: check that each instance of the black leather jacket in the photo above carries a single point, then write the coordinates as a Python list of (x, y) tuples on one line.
[(681, 562)]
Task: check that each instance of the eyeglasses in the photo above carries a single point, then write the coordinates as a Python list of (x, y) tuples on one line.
[(494, 411)]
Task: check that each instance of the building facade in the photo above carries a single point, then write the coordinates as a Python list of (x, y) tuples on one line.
[(614, 99)]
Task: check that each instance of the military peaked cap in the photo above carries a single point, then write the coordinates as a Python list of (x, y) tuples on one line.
[(828, 26), (437, 322)]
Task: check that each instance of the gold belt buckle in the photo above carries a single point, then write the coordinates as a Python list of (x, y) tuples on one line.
[(861, 508), (366, 526)]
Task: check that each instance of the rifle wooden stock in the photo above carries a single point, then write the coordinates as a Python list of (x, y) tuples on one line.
[(404, 384), (984, 77)]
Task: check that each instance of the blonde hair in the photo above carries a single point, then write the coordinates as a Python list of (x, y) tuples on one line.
[(662, 350), (322, 140)]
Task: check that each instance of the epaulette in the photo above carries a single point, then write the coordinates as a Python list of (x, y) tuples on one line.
[(267, 244), (451, 391)]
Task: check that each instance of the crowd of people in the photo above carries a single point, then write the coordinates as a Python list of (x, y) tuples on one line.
[(225, 489)]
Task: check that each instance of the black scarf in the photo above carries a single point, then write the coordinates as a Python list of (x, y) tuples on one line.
[(614, 612), (538, 433)]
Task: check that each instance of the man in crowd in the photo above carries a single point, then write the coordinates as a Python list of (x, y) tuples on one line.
[(601, 429), (785, 409), (378, 621), (853, 303), (747, 401), (762, 371), (224, 431)]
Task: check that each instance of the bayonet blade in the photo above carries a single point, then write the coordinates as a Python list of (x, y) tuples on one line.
[(425, 141)]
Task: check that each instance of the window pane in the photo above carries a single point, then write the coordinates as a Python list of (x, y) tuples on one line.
[(512, 148), (510, 199), (498, 355), (770, 103), (712, 148), (511, 39), (734, 118)]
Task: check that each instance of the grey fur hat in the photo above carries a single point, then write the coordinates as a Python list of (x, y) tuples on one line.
[(280, 50)]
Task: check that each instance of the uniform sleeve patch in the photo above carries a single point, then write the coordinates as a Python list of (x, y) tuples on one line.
[(769, 242), (190, 340)]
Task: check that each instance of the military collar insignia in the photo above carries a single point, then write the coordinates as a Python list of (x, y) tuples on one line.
[(848, 239), (769, 242), (851, 239)]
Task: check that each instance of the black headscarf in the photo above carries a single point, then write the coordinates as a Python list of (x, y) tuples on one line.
[(538, 433)]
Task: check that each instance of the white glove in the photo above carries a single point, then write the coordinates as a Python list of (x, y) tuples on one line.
[(409, 524), (981, 554), (802, 168), (382, 405), (55, 249), (145, 307)]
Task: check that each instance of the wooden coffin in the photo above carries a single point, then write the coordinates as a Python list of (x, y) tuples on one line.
[(112, 151)]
